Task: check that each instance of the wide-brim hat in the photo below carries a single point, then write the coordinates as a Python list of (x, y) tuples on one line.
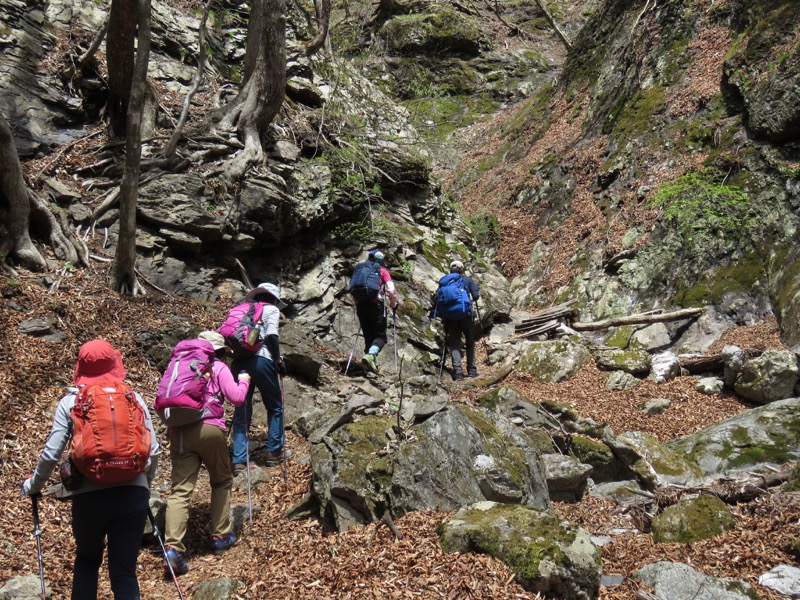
[(99, 362), (214, 338), (271, 290)]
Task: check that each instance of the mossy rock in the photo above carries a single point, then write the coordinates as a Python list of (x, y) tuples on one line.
[(693, 519), (553, 361), (634, 362), (656, 462), (446, 31), (605, 466), (793, 483), (620, 337), (547, 555)]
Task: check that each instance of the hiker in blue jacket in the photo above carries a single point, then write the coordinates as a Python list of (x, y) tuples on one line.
[(454, 328)]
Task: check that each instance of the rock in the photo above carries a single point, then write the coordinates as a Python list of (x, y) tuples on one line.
[(620, 380), (651, 338), (655, 463), (655, 406), (664, 366), (566, 477), (678, 581), (733, 358), (218, 589), (547, 555), (24, 587), (553, 361), (692, 519), (784, 579), (709, 385), (767, 435), (772, 376), (635, 362)]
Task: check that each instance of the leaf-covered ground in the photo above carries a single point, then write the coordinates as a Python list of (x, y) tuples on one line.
[(296, 559)]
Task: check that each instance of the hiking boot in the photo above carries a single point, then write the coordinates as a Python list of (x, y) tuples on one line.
[(473, 372), (278, 457), (369, 361), (457, 375), (238, 469), (220, 545), (176, 560)]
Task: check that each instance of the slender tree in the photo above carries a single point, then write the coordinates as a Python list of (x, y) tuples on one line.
[(123, 271), (323, 10)]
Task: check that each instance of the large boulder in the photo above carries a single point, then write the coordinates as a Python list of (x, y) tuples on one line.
[(553, 361), (456, 457), (547, 555), (679, 581), (768, 434), (772, 376), (634, 362), (654, 463), (693, 519)]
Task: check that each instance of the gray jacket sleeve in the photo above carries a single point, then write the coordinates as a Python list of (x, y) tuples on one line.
[(56, 442), (152, 465)]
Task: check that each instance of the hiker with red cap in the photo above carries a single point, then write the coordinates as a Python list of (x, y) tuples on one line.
[(265, 365), (110, 485), (370, 285), (204, 442)]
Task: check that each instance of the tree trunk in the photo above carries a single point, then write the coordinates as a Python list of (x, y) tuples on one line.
[(678, 315), (120, 57), (252, 111), (323, 8), (14, 193), (123, 271)]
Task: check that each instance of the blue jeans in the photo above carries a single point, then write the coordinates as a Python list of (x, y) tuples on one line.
[(118, 513), (264, 374)]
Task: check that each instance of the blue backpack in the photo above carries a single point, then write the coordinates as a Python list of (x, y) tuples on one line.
[(452, 300), (365, 284)]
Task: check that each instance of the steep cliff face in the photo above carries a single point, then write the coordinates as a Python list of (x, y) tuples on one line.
[(659, 168)]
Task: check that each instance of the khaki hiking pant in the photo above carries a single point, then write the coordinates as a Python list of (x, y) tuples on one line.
[(190, 446)]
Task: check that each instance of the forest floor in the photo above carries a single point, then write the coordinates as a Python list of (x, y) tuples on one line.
[(297, 559)]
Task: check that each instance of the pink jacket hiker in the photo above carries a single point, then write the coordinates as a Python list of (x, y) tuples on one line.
[(222, 385)]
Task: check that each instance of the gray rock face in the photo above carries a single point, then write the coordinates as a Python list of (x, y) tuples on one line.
[(734, 359), (456, 457), (784, 579), (547, 555), (218, 589), (566, 477), (678, 581), (664, 366), (620, 380), (772, 376), (764, 435), (654, 463)]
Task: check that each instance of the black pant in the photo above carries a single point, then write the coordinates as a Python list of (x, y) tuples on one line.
[(454, 329), (372, 317), (118, 513)]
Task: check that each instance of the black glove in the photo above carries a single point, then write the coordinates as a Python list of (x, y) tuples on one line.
[(281, 367)]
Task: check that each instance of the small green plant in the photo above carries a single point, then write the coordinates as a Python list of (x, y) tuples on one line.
[(697, 203), (353, 231), (485, 229)]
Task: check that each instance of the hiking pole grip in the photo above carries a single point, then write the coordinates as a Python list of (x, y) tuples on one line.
[(37, 533), (157, 533)]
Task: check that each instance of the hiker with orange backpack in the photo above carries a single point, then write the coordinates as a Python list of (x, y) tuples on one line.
[(200, 442), (369, 284), (253, 328), (114, 456)]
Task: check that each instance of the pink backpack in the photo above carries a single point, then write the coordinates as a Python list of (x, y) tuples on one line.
[(241, 328), (179, 399)]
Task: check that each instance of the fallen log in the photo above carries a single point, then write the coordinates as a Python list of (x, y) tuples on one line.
[(700, 363), (640, 319)]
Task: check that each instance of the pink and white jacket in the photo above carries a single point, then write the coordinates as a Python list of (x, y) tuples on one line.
[(222, 385)]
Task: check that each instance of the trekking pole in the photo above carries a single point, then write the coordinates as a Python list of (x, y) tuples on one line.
[(480, 320), (394, 320), (37, 533), (283, 432), (157, 533), (441, 363), (247, 465), (355, 341)]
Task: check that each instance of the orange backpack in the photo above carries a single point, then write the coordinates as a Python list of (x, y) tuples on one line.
[(110, 441)]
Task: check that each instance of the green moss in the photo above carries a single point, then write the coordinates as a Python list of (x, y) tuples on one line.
[(511, 458), (619, 337), (741, 276), (362, 440), (529, 537), (635, 117), (692, 520)]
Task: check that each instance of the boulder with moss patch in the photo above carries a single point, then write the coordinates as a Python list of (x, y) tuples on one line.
[(772, 376), (654, 463), (547, 555), (553, 361), (693, 519)]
